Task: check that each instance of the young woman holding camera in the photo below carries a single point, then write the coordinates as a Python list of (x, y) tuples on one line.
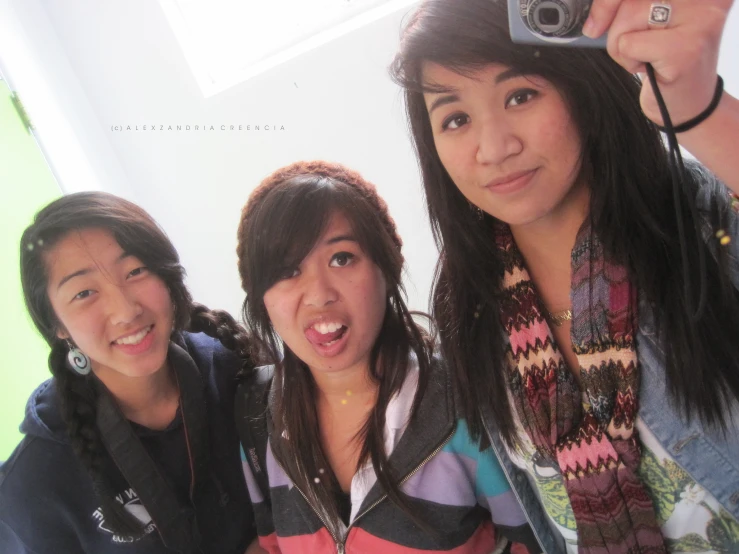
[(587, 305)]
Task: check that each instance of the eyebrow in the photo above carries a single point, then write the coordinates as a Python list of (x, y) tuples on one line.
[(453, 96), (507, 75), (443, 101), (340, 238), (87, 270)]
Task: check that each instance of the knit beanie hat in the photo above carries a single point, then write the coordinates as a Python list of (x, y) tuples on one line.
[(329, 170)]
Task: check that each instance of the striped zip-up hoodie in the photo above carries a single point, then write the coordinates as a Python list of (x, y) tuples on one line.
[(460, 492)]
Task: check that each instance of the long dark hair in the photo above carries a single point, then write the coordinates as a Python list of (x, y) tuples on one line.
[(280, 224), (137, 234), (632, 211)]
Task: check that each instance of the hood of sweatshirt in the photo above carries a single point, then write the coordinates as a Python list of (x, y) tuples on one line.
[(43, 414)]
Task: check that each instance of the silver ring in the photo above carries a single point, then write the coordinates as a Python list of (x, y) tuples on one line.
[(659, 14)]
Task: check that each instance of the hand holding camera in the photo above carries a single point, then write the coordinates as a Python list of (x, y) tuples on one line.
[(680, 38), (683, 49)]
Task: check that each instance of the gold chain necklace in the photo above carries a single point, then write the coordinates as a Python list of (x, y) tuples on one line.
[(558, 318)]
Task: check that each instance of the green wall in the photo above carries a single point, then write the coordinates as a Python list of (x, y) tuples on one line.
[(26, 184)]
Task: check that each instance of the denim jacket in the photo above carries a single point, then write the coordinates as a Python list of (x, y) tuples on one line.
[(550, 540), (709, 456)]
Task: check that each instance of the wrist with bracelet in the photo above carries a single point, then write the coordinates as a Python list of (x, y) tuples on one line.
[(701, 117)]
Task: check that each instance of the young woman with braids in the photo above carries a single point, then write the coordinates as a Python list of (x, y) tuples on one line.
[(131, 446), (588, 308), (361, 448)]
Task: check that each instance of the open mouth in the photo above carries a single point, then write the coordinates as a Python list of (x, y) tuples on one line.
[(325, 334), (336, 337), (137, 338)]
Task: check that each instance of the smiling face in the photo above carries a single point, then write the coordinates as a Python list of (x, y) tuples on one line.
[(507, 141), (109, 304), (330, 309)]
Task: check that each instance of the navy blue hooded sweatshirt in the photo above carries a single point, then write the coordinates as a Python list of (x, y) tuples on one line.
[(47, 503)]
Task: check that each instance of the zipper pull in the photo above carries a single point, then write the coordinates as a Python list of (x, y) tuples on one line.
[(340, 548)]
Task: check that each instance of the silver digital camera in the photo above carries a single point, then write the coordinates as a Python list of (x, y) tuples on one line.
[(552, 22)]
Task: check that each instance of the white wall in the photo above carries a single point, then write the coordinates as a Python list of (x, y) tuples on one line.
[(335, 103), (728, 66), (117, 63), (33, 63)]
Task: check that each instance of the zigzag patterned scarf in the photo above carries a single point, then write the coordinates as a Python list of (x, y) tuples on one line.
[(596, 448)]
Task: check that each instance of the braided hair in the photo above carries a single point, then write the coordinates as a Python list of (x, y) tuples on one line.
[(139, 235), (220, 325)]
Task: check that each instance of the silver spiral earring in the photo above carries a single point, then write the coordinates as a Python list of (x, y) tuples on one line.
[(78, 360)]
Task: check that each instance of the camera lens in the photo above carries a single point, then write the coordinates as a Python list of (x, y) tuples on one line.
[(548, 16), (556, 18)]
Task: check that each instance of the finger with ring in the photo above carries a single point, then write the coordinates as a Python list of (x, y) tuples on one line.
[(659, 14)]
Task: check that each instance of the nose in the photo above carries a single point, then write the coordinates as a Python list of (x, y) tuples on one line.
[(123, 306), (319, 289), (497, 140)]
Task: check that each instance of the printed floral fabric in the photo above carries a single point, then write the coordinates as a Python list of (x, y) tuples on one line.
[(690, 517)]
